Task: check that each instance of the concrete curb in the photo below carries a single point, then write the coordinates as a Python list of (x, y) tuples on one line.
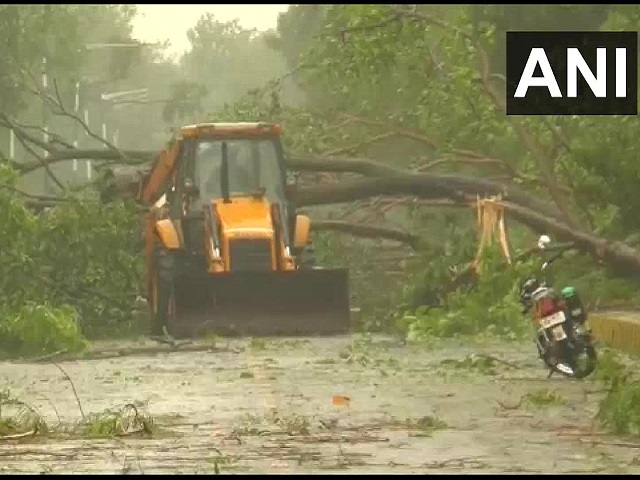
[(617, 332)]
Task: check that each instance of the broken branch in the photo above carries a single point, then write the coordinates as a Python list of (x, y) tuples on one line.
[(367, 231)]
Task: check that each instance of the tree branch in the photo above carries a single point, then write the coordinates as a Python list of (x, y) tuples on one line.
[(22, 138), (62, 111), (366, 231), (439, 185), (467, 156), (545, 164), (136, 157), (394, 130), (321, 163), (39, 198), (358, 146), (360, 28), (616, 254)]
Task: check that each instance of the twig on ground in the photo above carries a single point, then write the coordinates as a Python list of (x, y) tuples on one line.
[(73, 387), (18, 436), (139, 464), (496, 359), (612, 444), (48, 356), (14, 453), (55, 410)]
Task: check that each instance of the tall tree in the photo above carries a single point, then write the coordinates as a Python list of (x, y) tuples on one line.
[(228, 60)]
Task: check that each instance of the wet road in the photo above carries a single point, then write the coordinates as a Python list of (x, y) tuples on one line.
[(269, 406)]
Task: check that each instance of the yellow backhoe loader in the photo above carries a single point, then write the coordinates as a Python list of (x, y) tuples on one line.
[(225, 251)]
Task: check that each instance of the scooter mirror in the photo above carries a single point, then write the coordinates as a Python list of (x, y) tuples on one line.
[(543, 241)]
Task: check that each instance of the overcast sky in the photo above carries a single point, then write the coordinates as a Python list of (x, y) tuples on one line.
[(155, 23)]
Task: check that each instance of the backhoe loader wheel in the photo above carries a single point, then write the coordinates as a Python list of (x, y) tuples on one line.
[(307, 257), (163, 304)]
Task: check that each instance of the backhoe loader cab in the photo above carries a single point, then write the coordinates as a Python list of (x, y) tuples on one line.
[(225, 250)]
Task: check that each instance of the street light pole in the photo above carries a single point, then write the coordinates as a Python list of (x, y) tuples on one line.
[(97, 46), (45, 127), (86, 121), (76, 110), (111, 99)]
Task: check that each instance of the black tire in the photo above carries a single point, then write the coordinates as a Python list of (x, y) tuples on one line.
[(307, 258), (164, 271), (563, 354), (570, 353)]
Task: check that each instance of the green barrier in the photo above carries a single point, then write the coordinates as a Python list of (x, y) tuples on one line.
[(620, 333)]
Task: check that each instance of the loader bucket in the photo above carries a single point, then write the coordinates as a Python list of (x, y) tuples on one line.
[(302, 302)]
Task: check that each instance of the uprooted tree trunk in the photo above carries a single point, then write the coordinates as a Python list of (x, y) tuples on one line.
[(383, 180), (367, 231), (388, 181), (616, 254)]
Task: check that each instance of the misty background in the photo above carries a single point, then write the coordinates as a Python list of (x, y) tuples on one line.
[(132, 72)]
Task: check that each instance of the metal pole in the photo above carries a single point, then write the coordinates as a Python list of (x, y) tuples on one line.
[(76, 110), (116, 134), (45, 127), (86, 120), (104, 131)]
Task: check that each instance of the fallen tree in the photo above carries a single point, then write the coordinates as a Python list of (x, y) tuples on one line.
[(123, 180), (460, 190), (616, 254), (123, 170), (367, 231)]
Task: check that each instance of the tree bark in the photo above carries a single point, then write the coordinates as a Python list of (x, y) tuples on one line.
[(389, 181), (616, 254), (366, 231), (455, 187), (138, 157), (458, 188)]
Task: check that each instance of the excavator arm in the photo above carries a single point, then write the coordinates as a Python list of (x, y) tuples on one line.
[(162, 169)]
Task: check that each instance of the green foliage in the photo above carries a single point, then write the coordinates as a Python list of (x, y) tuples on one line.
[(595, 285), (228, 59), (492, 305), (185, 101), (77, 265), (41, 329), (456, 246), (128, 420), (482, 364), (543, 398), (424, 76), (426, 425), (619, 410), (94, 261), (610, 369), (59, 33), (360, 60), (17, 417)]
